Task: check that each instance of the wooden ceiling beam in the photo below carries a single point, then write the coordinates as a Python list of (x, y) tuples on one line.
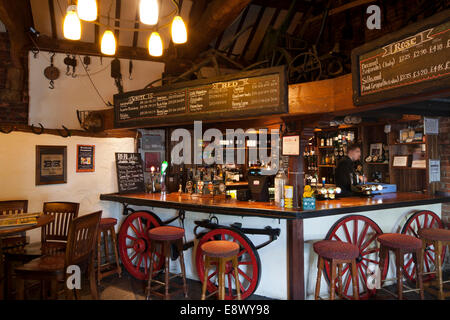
[(91, 49), (219, 14), (17, 18)]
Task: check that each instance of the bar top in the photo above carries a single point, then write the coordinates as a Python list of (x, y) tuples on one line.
[(269, 209)]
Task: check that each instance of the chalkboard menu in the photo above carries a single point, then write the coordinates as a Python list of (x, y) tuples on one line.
[(412, 61), (130, 174), (244, 94)]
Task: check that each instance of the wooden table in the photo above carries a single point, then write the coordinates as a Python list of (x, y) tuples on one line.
[(41, 221)]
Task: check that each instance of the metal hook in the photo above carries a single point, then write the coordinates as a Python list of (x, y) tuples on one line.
[(67, 134), (37, 131), (52, 85), (35, 52), (8, 130)]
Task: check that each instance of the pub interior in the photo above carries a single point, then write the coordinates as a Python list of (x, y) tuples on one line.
[(224, 150)]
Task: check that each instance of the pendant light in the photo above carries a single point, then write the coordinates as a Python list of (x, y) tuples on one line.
[(155, 45), (179, 33), (149, 11), (108, 44), (87, 10), (72, 24)]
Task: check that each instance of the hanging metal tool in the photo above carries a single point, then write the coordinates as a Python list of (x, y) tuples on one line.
[(70, 62), (51, 72), (86, 62), (115, 73)]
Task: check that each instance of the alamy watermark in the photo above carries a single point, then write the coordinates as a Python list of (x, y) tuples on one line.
[(228, 149)]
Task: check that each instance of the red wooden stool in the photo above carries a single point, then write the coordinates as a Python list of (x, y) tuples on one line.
[(439, 238), (109, 267), (165, 237), (402, 244), (337, 253)]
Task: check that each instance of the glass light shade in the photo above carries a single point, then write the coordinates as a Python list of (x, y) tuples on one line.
[(149, 11), (108, 45), (179, 33), (155, 45), (72, 24), (87, 10)]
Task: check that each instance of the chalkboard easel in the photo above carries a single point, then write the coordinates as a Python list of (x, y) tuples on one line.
[(130, 173)]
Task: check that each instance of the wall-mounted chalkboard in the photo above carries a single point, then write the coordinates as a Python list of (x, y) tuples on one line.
[(244, 94), (130, 173), (411, 61)]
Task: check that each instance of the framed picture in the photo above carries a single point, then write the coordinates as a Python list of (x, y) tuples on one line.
[(51, 165), (376, 149), (291, 145), (85, 158), (152, 159), (400, 161)]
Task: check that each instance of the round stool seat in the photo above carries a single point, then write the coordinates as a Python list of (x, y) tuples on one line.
[(220, 248), (106, 223), (400, 241), (166, 233), (331, 249), (435, 234)]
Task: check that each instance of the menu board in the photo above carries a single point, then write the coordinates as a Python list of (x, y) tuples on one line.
[(130, 173), (244, 94), (411, 61)]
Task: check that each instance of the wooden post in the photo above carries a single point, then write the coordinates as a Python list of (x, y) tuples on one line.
[(296, 260)]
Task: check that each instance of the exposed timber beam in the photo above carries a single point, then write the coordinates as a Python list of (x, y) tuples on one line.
[(17, 18), (219, 14), (87, 48)]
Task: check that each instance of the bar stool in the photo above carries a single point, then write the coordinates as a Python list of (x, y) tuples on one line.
[(337, 253), (401, 244), (166, 237), (109, 267), (221, 252), (439, 238)]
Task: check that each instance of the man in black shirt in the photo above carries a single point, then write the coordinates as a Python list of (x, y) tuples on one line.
[(345, 175)]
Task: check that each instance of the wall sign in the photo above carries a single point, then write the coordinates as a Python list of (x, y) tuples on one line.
[(85, 158), (130, 173), (51, 165), (245, 94), (411, 61), (291, 145)]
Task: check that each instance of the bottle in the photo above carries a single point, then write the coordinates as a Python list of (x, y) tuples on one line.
[(280, 182)]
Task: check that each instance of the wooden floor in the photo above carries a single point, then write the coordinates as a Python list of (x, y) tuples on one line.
[(129, 288)]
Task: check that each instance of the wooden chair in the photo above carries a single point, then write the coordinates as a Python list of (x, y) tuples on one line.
[(54, 235), (53, 239), (82, 238)]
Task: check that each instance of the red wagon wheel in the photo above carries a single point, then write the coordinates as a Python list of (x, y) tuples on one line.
[(362, 232), (419, 220), (134, 244), (249, 264)]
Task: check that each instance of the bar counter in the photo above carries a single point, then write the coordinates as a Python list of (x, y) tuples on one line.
[(289, 263), (269, 209)]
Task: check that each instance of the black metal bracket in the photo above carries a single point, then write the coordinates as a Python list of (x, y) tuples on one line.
[(40, 131), (66, 134), (126, 211)]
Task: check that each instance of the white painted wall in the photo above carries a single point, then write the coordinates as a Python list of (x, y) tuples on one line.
[(17, 173), (57, 107)]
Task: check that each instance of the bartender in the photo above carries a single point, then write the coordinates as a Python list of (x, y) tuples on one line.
[(345, 174)]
